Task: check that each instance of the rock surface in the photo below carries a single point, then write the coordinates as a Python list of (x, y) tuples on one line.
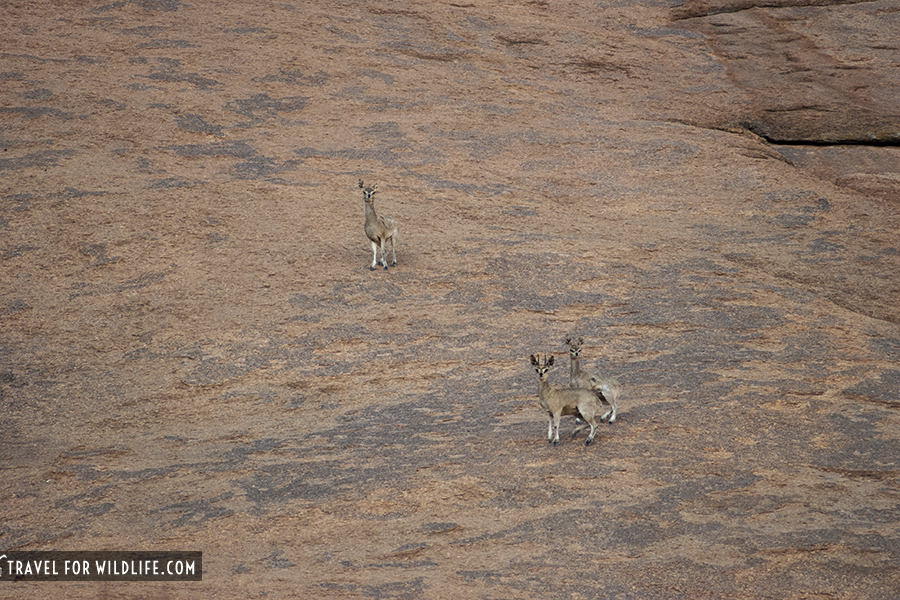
[(195, 354), (813, 75)]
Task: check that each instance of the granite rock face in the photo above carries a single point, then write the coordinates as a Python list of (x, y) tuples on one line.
[(815, 74), (819, 79), (195, 354)]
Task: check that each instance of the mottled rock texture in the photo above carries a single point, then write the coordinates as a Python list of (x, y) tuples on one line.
[(194, 354)]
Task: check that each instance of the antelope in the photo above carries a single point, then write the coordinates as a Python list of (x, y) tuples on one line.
[(379, 229), (608, 387), (559, 401)]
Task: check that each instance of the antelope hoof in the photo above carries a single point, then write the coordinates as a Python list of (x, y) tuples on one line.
[(556, 442), (587, 443)]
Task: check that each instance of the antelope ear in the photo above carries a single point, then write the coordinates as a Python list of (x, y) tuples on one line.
[(550, 361), (580, 340), (568, 341), (534, 360), (361, 184), (375, 187)]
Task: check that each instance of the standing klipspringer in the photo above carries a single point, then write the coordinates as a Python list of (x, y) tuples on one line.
[(379, 228), (609, 387), (559, 401)]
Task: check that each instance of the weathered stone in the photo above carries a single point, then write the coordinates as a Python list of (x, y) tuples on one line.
[(814, 75), (195, 355)]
